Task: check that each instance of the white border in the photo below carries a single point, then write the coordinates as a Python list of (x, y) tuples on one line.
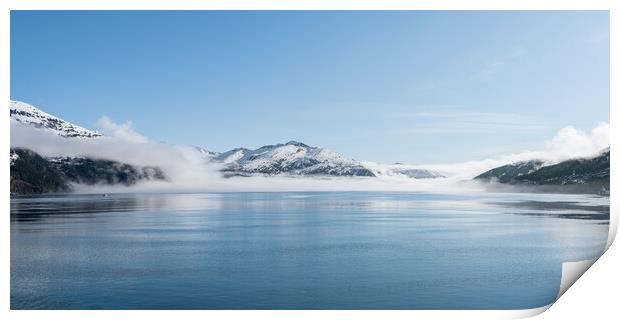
[(7, 5)]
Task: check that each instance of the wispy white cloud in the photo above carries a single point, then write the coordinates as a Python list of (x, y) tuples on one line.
[(568, 143), (188, 170), (182, 164), (122, 131)]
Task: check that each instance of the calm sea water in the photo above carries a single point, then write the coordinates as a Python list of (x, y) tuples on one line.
[(298, 250)]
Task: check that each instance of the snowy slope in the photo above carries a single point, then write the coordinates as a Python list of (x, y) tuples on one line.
[(579, 175), (29, 115), (293, 158), (509, 172), (401, 170), (232, 156), (204, 154), (14, 156)]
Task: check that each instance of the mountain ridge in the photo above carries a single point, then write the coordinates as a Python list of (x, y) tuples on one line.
[(30, 115), (579, 175), (32, 173), (292, 158)]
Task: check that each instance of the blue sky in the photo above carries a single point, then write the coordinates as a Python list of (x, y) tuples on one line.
[(415, 87)]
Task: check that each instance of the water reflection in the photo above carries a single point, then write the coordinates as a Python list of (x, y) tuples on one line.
[(559, 209), (316, 250), (31, 209)]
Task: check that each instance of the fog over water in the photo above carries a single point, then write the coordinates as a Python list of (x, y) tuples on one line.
[(187, 169)]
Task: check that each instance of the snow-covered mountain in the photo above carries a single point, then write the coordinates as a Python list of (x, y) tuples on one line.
[(32, 173), (580, 175), (418, 173), (296, 158), (206, 154), (291, 158), (29, 115), (401, 170), (511, 171)]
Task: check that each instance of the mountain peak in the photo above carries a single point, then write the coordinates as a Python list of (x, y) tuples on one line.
[(297, 143), (30, 115), (291, 158)]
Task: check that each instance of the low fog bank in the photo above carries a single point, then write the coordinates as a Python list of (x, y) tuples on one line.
[(293, 184), (188, 170), (568, 143), (180, 163)]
